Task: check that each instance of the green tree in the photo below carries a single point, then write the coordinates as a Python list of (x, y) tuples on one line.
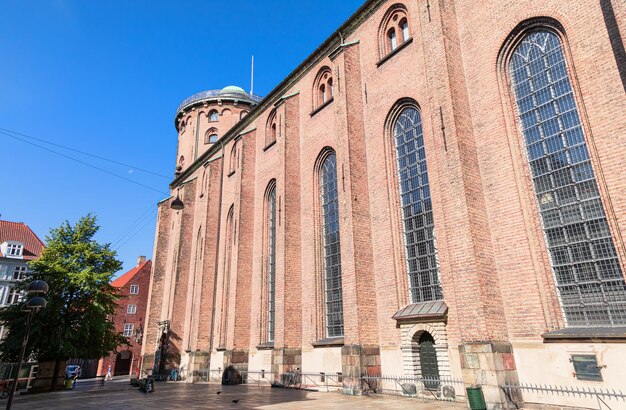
[(75, 322)]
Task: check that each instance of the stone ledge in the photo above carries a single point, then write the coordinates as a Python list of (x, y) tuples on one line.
[(586, 334)]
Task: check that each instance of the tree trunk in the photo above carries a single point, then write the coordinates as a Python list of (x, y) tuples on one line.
[(55, 376)]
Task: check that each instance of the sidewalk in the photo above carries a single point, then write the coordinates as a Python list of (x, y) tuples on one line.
[(116, 395)]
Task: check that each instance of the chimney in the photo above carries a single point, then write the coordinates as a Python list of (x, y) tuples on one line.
[(141, 260)]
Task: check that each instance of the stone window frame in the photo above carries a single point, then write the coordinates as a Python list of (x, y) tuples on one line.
[(131, 309), (516, 139), (323, 91), (396, 20)]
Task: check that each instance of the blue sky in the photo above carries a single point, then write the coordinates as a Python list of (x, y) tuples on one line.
[(106, 77)]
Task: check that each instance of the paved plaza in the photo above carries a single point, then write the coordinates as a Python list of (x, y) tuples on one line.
[(118, 395)]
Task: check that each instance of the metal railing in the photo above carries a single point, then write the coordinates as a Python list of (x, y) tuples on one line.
[(603, 396), (441, 388), (259, 378)]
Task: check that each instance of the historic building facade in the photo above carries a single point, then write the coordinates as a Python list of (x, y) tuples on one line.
[(18, 246), (129, 319), (437, 191)]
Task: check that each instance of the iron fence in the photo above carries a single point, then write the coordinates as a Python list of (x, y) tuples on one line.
[(604, 397), (441, 388)]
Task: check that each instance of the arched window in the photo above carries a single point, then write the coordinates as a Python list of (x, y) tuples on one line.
[(333, 297), (393, 43), (214, 116), (242, 114), (270, 132), (211, 136), (323, 91), (404, 26), (270, 199), (233, 158), (230, 234), (203, 184), (394, 29), (587, 272), (417, 210)]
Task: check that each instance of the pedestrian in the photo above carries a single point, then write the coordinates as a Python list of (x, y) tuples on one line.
[(75, 377), (108, 376)]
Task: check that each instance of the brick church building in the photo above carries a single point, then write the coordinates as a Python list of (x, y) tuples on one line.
[(437, 191)]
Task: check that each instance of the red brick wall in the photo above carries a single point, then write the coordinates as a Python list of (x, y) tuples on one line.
[(495, 270), (141, 279)]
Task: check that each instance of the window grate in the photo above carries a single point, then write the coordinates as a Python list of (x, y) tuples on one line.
[(271, 264), (417, 214), (588, 275), (332, 252)]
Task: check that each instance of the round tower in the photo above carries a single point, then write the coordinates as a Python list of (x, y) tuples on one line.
[(202, 119)]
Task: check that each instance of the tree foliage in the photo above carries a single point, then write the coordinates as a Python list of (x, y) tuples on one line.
[(75, 322)]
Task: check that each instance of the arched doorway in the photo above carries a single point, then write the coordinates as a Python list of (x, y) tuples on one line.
[(429, 365), (122, 363)]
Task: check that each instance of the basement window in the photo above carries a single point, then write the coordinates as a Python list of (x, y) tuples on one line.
[(586, 367)]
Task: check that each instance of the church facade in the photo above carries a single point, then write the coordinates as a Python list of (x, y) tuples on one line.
[(438, 191)]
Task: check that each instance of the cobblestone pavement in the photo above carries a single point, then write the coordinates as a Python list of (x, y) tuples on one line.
[(118, 395)]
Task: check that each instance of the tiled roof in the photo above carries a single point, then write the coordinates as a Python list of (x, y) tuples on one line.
[(125, 278), (20, 232), (423, 310)]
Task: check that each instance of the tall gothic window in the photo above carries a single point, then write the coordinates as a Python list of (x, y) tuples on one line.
[(332, 253), (271, 260), (417, 210), (587, 272), (230, 234)]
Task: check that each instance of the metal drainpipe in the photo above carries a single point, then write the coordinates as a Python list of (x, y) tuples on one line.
[(217, 254)]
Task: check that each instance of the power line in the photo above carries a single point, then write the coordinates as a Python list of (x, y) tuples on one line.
[(87, 153), (129, 229), (85, 163), (134, 234)]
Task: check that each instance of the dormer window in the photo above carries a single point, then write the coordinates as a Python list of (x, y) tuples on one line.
[(323, 88), (13, 249)]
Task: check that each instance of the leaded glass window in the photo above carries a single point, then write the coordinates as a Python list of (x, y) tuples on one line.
[(417, 210), (332, 252), (271, 262), (587, 272)]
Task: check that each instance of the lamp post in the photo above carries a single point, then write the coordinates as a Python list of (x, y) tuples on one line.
[(36, 302)]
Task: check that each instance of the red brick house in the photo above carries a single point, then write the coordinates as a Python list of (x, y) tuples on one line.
[(129, 319)]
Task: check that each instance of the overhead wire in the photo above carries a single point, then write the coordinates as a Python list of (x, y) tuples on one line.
[(84, 163), (139, 229), (129, 229), (87, 153)]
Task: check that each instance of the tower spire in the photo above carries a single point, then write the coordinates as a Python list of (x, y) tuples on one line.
[(252, 77)]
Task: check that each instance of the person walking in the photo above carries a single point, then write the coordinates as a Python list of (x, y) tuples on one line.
[(75, 377), (108, 376)]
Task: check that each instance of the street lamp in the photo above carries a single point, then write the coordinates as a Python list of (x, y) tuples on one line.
[(36, 302)]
